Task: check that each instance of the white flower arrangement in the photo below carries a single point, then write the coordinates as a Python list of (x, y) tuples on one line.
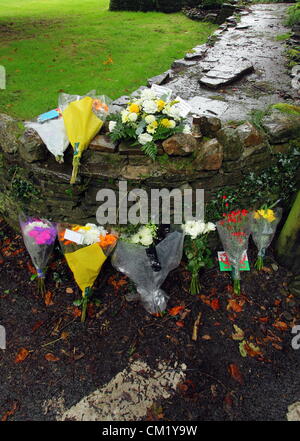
[(147, 119), (144, 236), (195, 228), (91, 233)]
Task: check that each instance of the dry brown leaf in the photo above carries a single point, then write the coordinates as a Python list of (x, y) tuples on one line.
[(69, 290), (235, 305), (282, 326), (21, 355), (10, 412), (64, 335), (206, 337), (51, 357), (235, 373), (48, 298), (176, 310)]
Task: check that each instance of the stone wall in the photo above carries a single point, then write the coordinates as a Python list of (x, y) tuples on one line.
[(31, 179)]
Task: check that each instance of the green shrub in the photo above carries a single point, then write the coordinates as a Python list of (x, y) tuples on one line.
[(294, 14), (146, 5)]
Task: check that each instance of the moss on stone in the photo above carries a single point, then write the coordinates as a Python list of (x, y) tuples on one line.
[(291, 109)]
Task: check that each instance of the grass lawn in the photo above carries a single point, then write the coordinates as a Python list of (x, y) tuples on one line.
[(49, 46)]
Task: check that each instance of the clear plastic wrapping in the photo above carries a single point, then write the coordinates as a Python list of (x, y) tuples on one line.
[(53, 134), (85, 249), (132, 260), (234, 232), (39, 237), (263, 225), (101, 103)]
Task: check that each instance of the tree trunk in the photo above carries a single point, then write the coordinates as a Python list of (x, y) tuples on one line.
[(288, 244)]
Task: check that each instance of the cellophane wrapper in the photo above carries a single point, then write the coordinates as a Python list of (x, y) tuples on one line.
[(38, 242), (263, 231), (101, 111), (132, 260), (85, 261), (234, 245)]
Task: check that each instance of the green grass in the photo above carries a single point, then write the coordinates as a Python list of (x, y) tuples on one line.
[(49, 46)]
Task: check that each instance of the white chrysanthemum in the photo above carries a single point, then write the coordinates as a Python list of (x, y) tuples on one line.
[(91, 233), (111, 125), (150, 119), (124, 115), (150, 106), (132, 117), (187, 129), (144, 138), (172, 124), (171, 111), (147, 94), (193, 228), (145, 235), (210, 226), (135, 238)]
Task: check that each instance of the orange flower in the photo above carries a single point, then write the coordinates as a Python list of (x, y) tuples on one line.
[(107, 240)]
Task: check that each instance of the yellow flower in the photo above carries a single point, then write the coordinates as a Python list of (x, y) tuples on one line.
[(165, 122), (133, 108), (267, 214), (160, 105), (151, 128)]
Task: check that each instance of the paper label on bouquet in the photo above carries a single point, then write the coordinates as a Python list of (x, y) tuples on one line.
[(225, 265), (73, 236), (52, 114), (183, 107), (162, 92)]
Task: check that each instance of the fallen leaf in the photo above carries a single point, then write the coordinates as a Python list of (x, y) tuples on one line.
[(69, 290), (235, 305), (176, 310), (48, 298), (215, 304), (247, 348), (10, 412), (282, 326), (276, 346), (263, 319), (239, 333), (117, 283), (76, 312), (37, 325), (180, 324), (51, 357), (64, 335), (206, 337), (21, 355), (266, 269), (109, 60), (235, 373)]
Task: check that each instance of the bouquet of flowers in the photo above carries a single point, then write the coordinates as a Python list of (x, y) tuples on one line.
[(149, 269), (263, 226), (86, 249), (234, 231), (83, 118), (53, 134), (146, 120), (196, 249), (39, 236)]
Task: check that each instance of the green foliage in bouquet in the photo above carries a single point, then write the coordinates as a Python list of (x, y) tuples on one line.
[(146, 121)]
